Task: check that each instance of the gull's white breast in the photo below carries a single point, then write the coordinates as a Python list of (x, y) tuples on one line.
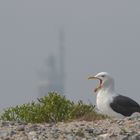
[(104, 98)]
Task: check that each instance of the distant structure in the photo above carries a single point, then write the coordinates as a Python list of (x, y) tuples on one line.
[(53, 79), (62, 60)]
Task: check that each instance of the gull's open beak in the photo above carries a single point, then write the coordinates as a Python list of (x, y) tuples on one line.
[(93, 77), (98, 87)]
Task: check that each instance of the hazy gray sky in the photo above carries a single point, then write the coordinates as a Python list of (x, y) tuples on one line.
[(99, 36)]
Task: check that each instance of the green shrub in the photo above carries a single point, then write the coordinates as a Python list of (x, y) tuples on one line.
[(51, 108), (55, 107)]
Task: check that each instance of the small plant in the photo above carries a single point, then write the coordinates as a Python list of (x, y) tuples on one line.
[(51, 108), (81, 109)]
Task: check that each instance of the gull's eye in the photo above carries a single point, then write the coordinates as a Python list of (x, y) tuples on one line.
[(103, 76)]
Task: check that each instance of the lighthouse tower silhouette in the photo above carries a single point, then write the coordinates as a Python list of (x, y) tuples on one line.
[(53, 79)]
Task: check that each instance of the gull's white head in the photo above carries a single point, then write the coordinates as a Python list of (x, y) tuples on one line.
[(106, 81)]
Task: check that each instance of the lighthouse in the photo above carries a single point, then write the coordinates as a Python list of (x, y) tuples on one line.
[(53, 78)]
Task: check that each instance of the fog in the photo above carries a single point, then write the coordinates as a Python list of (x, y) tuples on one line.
[(99, 36)]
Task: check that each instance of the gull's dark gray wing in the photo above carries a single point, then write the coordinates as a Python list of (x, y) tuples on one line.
[(124, 105)]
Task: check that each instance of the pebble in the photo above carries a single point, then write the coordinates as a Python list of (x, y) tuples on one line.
[(90, 130), (20, 128), (3, 134)]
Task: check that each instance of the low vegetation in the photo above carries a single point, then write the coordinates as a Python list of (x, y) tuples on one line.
[(51, 108)]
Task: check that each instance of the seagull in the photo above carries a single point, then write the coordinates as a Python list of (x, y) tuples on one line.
[(109, 102)]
